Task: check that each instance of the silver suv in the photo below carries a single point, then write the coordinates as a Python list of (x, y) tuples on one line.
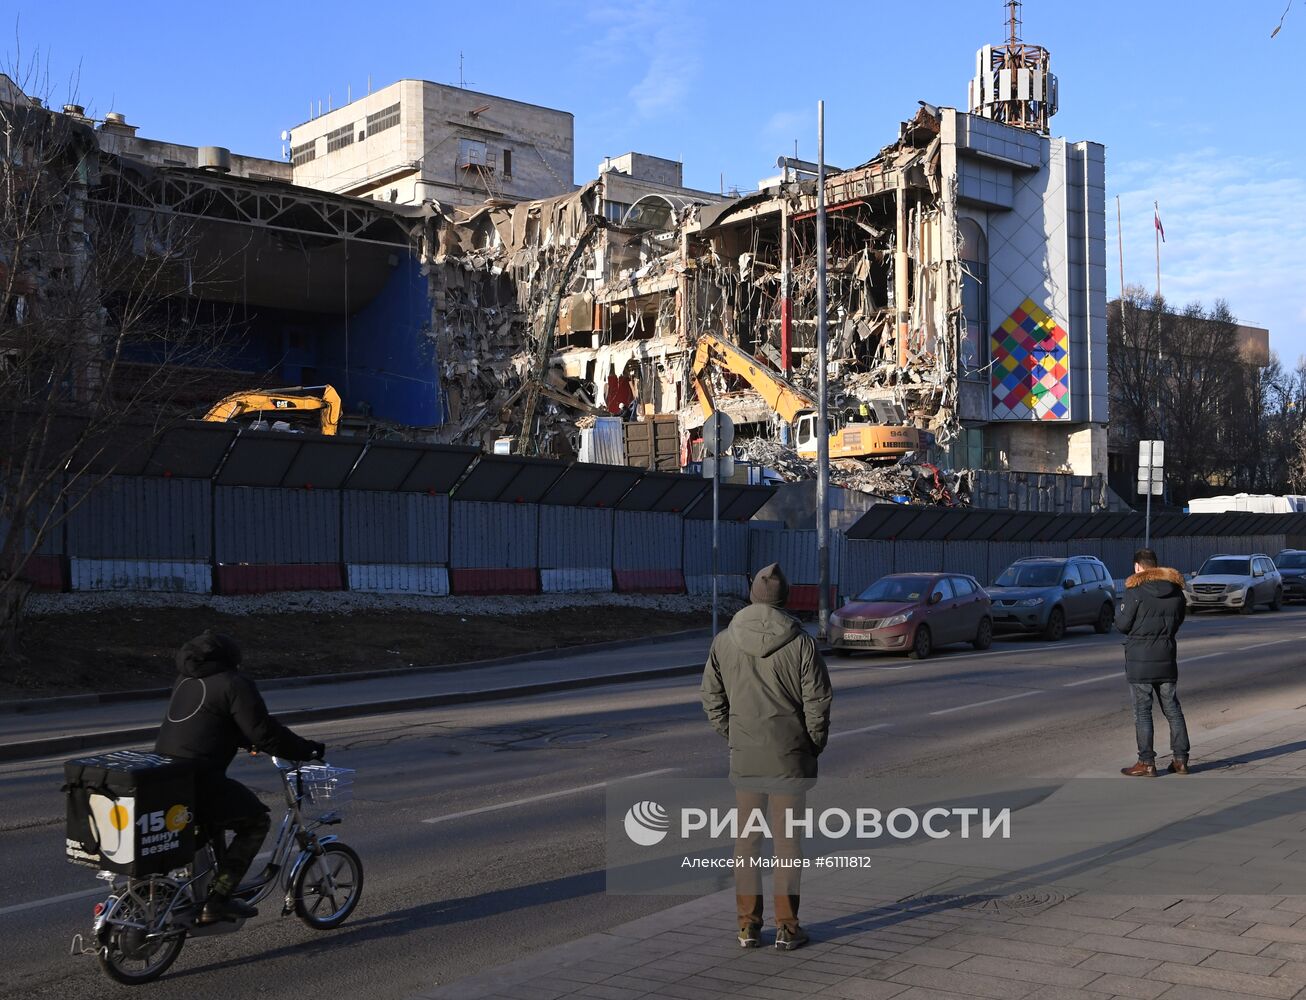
[(1238, 582)]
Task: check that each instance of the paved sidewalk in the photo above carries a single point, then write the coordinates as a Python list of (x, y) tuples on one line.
[(871, 943), (29, 734)]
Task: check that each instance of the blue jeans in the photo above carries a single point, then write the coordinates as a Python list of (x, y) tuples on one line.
[(1174, 714)]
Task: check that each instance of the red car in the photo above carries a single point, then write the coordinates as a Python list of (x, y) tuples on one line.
[(914, 613)]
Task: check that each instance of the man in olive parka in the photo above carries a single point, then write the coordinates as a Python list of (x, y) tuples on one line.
[(766, 690)]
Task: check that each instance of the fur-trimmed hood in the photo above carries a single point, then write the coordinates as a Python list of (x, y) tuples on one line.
[(1156, 574)]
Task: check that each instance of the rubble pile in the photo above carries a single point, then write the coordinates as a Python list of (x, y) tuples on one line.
[(919, 483)]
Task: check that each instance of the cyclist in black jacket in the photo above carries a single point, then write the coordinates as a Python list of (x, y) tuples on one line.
[(215, 710)]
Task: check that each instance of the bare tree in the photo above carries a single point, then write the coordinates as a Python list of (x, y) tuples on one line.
[(96, 333), (1135, 361), (1200, 401)]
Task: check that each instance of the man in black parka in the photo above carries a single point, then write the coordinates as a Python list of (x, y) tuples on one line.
[(214, 711), (1150, 616)]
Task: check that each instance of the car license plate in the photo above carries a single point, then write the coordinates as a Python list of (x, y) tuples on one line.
[(857, 636)]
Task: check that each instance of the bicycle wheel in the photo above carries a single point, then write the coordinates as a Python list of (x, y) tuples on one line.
[(328, 887), (126, 954)]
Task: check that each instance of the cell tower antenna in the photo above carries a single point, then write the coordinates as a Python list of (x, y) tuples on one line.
[(1013, 22)]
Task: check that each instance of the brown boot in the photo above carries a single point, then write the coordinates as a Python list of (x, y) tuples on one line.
[(1179, 765), (1140, 770)]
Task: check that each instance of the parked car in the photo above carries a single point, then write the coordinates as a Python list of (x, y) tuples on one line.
[(1238, 582), (1048, 595), (1291, 564), (914, 613)]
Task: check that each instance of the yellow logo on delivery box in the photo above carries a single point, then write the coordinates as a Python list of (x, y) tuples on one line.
[(119, 817), (178, 818)]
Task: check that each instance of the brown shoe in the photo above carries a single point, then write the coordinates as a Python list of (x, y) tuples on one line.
[(1139, 770), (1178, 766)]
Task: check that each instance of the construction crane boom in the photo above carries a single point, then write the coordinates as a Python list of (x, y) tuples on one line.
[(321, 399), (861, 439)]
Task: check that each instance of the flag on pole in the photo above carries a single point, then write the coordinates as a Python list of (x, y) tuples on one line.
[(1156, 219)]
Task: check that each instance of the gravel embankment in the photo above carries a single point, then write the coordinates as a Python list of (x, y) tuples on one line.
[(348, 602)]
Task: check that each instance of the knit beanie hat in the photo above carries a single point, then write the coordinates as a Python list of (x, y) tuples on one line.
[(770, 587)]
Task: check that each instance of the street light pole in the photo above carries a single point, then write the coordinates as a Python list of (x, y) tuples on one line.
[(822, 413)]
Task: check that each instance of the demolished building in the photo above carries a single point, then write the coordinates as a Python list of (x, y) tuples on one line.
[(966, 293)]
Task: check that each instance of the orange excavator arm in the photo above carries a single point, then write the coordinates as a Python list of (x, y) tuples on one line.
[(782, 397), (297, 399)]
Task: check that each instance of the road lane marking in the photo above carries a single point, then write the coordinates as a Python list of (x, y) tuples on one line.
[(980, 704), (864, 729), (1185, 660), (543, 798), (66, 897), (1094, 680)]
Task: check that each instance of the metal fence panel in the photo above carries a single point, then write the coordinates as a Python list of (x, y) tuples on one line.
[(396, 528), (53, 543), (271, 526), (647, 540), (864, 562), (1118, 554), (971, 558), (173, 576), (138, 518), (490, 535), (575, 538), (382, 578), (732, 553), (918, 557), (795, 550), (1175, 551)]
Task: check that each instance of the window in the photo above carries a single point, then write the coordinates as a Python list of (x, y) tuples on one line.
[(963, 586), (615, 211), (305, 152), (507, 163), (1072, 574), (339, 138), (944, 588), (974, 297), (1030, 574), (1090, 572), (383, 119)]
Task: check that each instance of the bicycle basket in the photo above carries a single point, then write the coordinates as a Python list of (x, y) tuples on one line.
[(327, 790)]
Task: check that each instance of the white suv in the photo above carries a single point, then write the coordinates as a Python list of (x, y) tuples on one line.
[(1238, 582)]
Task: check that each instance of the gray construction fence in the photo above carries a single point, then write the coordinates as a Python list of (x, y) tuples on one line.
[(211, 509)]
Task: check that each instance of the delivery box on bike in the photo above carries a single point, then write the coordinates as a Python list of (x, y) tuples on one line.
[(130, 812)]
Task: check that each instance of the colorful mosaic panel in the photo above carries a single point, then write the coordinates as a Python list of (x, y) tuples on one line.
[(1031, 367)]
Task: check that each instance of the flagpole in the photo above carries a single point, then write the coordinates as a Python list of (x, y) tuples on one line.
[(1157, 209), (1120, 245)]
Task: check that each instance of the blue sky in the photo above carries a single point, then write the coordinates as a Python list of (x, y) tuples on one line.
[(1198, 107)]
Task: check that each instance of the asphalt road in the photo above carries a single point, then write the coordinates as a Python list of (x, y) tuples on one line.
[(513, 860)]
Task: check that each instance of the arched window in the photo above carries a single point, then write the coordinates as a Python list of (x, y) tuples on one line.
[(974, 298)]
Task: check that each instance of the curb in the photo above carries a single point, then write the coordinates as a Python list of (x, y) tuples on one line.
[(27, 749), (59, 702)]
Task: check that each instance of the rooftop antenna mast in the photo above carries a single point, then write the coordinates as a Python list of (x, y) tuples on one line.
[(462, 80), (1013, 22)]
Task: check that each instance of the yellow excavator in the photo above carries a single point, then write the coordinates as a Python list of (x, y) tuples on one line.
[(278, 404), (851, 439)]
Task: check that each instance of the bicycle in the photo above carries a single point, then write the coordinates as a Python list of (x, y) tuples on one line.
[(140, 928)]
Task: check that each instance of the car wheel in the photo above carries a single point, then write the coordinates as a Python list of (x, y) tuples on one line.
[(1249, 605), (1055, 629), (1277, 603), (922, 644), (1106, 619), (984, 637)]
